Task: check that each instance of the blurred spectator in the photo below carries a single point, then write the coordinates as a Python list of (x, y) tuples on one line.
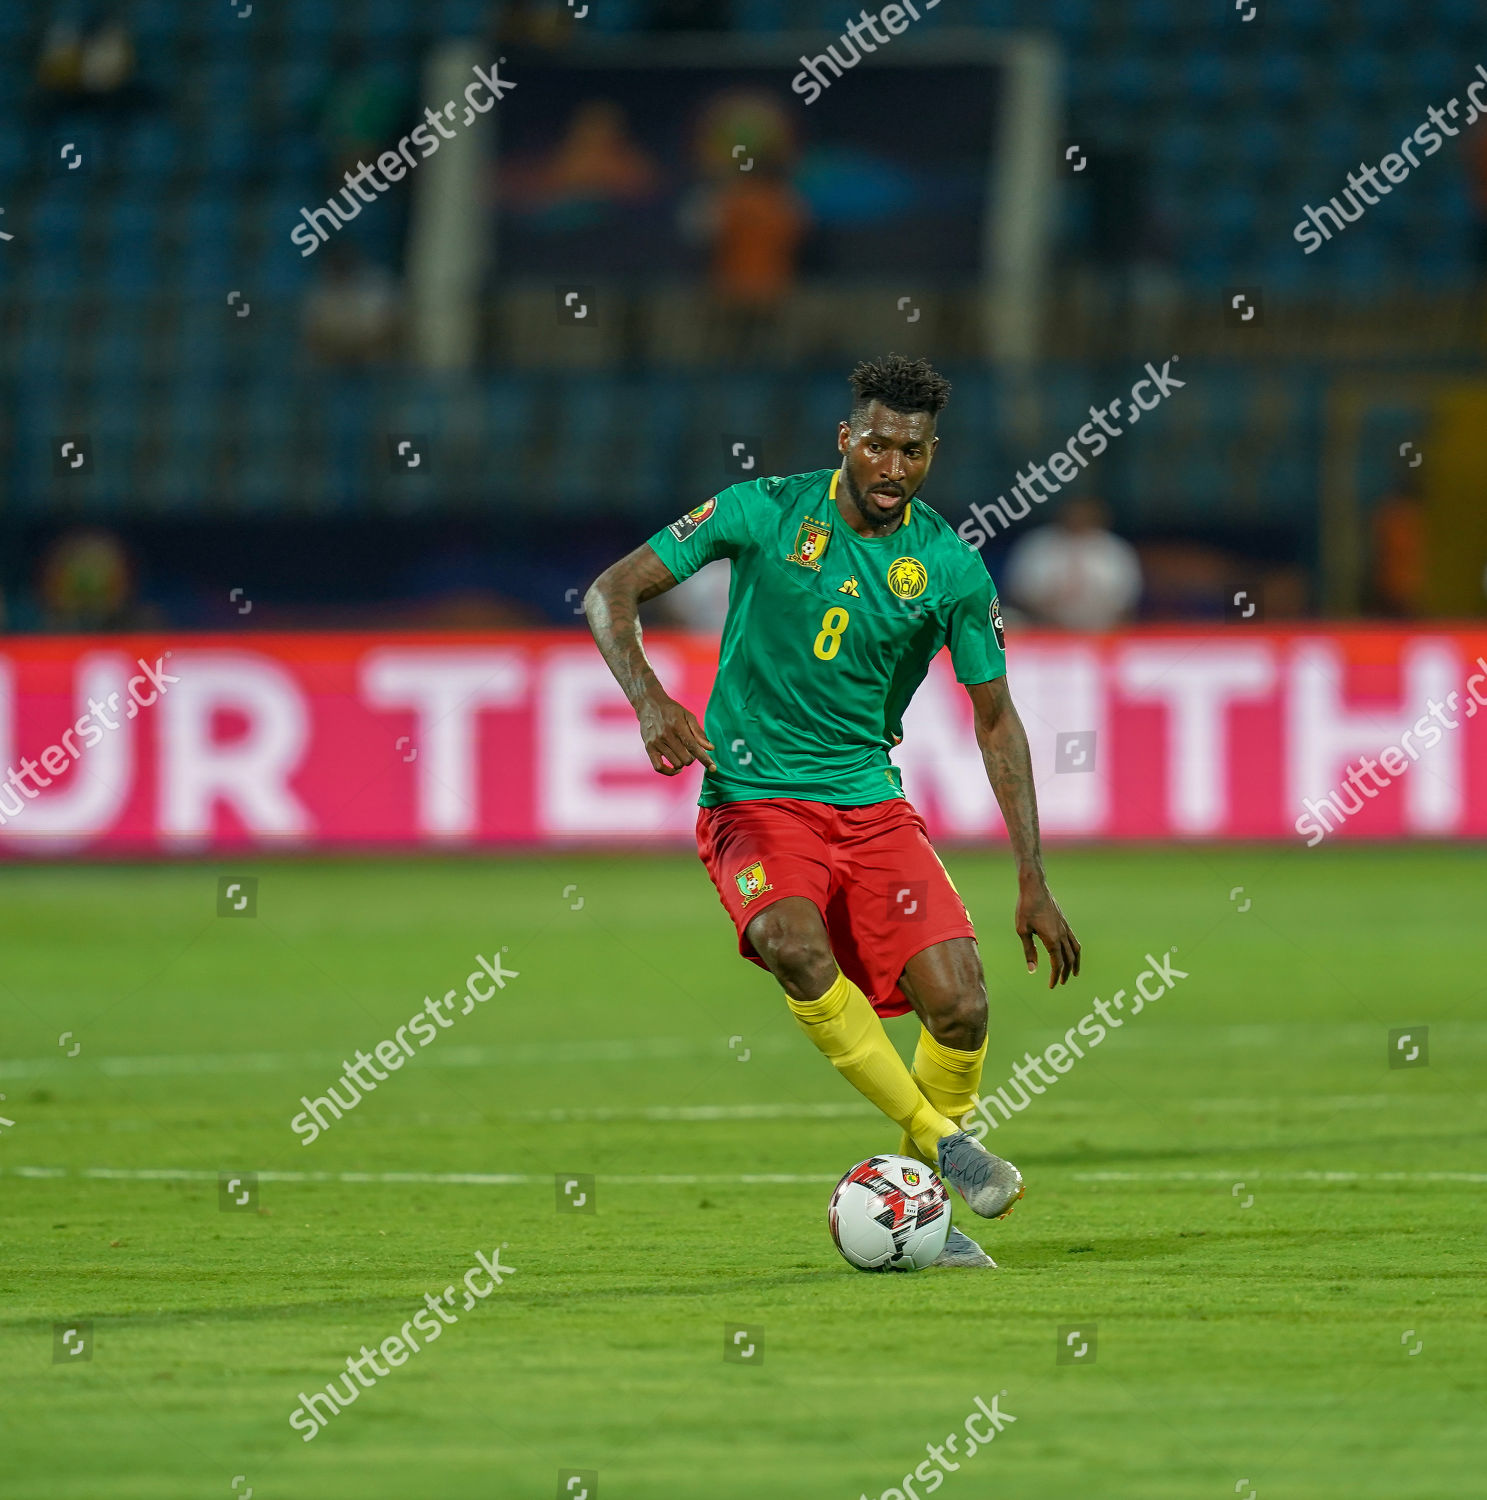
[(1075, 574), (1185, 579), (595, 165), (86, 583), (59, 67), (748, 213), (758, 222), (352, 312), (81, 67), (1397, 572), (363, 112), (701, 602), (530, 23)]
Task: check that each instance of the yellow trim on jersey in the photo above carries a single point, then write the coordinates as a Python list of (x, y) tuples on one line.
[(836, 474)]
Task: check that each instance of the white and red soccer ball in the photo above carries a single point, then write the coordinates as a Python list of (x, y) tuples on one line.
[(890, 1213)]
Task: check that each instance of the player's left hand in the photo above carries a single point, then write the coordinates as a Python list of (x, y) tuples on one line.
[(1038, 914)]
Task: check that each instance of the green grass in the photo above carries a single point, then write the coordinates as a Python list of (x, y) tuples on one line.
[(1259, 1343)]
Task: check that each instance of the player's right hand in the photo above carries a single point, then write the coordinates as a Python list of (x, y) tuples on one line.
[(673, 737)]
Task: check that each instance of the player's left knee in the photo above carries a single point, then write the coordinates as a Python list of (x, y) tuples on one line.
[(959, 1019)]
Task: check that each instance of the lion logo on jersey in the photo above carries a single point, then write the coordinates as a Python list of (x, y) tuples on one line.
[(751, 881), (684, 527), (907, 577)]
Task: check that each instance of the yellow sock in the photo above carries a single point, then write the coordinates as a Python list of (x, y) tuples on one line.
[(948, 1079), (846, 1028)]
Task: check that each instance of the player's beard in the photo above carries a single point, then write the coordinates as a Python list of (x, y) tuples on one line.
[(870, 512)]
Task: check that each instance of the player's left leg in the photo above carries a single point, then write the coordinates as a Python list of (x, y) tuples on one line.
[(947, 989), (945, 985), (906, 927)]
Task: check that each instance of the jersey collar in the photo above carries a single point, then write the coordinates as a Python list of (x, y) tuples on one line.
[(836, 475)]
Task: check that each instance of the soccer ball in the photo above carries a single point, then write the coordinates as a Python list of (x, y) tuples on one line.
[(890, 1213)]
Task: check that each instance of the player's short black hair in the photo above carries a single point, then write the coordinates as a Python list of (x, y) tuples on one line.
[(900, 383)]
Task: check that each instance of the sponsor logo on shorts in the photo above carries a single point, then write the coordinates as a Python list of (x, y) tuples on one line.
[(810, 543), (907, 577), (995, 613), (684, 527), (752, 882)]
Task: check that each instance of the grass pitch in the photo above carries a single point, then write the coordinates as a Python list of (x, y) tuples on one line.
[(1270, 1240)]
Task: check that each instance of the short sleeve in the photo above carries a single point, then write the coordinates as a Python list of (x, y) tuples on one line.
[(717, 528), (978, 647)]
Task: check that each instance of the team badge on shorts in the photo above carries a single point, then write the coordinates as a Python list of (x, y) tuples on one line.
[(683, 528), (810, 543), (751, 881), (907, 577), (996, 624)]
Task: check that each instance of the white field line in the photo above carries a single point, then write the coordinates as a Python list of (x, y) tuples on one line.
[(517, 1054), (442, 1179), (1289, 1038), (1258, 1103), (851, 1109), (684, 1179), (1261, 1176)]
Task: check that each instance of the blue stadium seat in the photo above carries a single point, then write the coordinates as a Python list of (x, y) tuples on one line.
[(1072, 19), (1365, 74), (463, 18), (148, 148), (1384, 17), (762, 15), (1435, 74), (1282, 78), (1211, 78), (622, 15), (385, 20), (312, 17), (1155, 20), (1307, 18), (57, 222)]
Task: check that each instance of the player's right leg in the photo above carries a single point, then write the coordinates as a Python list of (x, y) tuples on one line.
[(790, 936)]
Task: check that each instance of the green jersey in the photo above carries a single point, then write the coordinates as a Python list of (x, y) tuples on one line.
[(828, 635)]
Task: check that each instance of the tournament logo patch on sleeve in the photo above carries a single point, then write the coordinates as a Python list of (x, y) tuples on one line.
[(995, 615), (682, 528)]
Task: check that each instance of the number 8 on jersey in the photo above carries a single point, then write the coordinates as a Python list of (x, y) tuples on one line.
[(833, 623)]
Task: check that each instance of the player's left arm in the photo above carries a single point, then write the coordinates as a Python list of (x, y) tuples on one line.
[(1009, 767), (978, 651)]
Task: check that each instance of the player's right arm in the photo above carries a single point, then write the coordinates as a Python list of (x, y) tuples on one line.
[(673, 737), (719, 527)]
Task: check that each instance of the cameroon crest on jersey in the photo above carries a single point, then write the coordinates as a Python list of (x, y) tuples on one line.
[(810, 543), (751, 881)]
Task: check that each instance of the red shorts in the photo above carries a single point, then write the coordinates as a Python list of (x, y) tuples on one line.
[(871, 871)]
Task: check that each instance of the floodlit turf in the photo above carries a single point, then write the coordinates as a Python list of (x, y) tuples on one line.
[(1271, 1241)]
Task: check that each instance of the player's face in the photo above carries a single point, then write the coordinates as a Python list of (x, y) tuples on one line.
[(888, 455)]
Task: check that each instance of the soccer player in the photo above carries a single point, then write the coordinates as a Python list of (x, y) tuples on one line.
[(844, 589)]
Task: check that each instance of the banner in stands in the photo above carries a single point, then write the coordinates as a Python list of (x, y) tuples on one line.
[(190, 745)]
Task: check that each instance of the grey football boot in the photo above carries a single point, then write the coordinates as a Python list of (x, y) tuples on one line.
[(962, 1251), (990, 1185)]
